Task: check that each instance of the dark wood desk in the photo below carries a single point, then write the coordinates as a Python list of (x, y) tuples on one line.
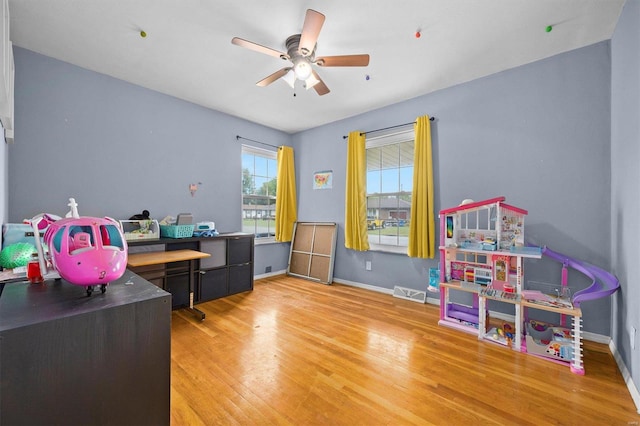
[(68, 358), (158, 257), (228, 271)]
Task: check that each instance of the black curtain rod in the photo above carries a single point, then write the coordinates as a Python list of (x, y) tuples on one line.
[(387, 128), (238, 137)]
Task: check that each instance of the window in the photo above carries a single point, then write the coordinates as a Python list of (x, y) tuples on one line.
[(389, 189), (259, 177)]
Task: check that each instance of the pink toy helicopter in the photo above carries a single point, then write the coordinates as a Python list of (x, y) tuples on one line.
[(86, 251)]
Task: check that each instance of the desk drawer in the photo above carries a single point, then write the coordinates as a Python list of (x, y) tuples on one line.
[(218, 251), (240, 278), (213, 284), (240, 250)]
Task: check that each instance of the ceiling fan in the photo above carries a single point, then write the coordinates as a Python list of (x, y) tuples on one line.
[(301, 51)]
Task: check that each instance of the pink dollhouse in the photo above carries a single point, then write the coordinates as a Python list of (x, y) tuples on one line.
[(480, 243), (482, 248)]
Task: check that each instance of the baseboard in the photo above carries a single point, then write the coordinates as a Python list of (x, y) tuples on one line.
[(388, 291), (598, 338), (270, 274), (592, 337), (633, 390)]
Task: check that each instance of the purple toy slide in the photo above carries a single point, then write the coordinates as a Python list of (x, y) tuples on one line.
[(603, 285)]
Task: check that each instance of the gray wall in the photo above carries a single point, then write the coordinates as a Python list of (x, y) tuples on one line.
[(625, 176), (538, 134), (118, 148)]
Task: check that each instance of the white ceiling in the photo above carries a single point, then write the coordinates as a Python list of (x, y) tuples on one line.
[(188, 52)]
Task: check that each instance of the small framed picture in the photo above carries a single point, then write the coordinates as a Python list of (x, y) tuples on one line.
[(323, 179)]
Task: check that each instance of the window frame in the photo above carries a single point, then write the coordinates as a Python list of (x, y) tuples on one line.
[(268, 155), (390, 138)]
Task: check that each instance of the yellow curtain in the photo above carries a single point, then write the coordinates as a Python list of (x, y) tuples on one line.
[(286, 210), (355, 217), (422, 225)]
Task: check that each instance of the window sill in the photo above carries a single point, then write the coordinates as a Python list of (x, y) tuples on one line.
[(263, 241), (388, 249)]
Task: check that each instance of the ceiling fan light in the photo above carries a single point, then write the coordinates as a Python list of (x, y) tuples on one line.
[(302, 68), (310, 82), (290, 78)]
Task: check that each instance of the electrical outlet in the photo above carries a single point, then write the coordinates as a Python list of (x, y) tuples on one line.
[(267, 269), (632, 337), (367, 265)]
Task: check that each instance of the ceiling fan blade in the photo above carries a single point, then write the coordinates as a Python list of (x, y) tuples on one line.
[(343, 61), (310, 30), (258, 47), (320, 87), (273, 77)]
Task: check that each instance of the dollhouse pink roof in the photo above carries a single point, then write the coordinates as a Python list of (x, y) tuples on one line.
[(476, 204)]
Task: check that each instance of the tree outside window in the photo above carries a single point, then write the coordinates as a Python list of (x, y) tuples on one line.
[(259, 181)]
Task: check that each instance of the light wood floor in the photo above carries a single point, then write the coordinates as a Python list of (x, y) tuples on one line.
[(295, 352)]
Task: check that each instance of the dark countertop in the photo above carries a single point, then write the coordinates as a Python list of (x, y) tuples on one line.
[(23, 303), (185, 240)]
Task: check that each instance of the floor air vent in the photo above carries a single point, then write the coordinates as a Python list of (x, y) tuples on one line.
[(410, 294)]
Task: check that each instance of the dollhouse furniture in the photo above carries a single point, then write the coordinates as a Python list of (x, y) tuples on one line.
[(482, 248)]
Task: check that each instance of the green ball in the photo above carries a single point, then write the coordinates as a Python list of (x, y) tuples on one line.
[(16, 255), (548, 29)]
